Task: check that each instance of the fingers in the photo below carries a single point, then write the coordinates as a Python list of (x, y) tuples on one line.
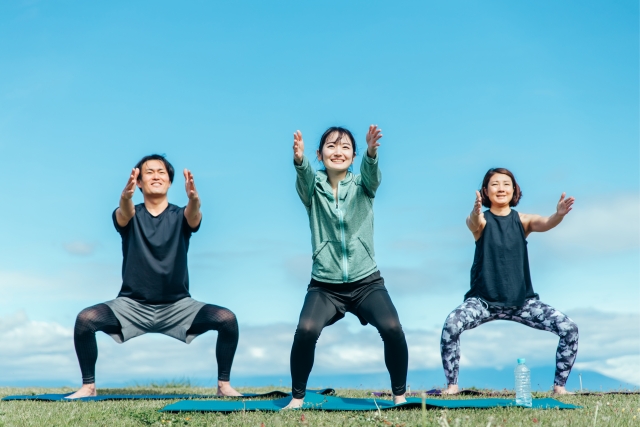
[(562, 196), (374, 134), (478, 196), (188, 177), (131, 183), (298, 146)]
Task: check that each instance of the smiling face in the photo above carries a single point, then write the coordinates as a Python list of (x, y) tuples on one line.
[(154, 178), (499, 190), (337, 152)]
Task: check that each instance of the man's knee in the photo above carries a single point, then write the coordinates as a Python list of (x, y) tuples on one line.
[(86, 319), (229, 319)]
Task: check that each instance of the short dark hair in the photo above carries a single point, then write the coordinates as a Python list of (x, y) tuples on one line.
[(517, 193), (341, 132), (159, 157)]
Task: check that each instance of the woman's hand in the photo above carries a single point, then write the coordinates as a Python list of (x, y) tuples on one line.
[(298, 147), (564, 205), (477, 206), (373, 136)]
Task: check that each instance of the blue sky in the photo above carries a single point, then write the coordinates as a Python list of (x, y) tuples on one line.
[(549, 90)]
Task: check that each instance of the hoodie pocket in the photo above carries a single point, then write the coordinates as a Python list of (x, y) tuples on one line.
[(367, 248), (318, 250)]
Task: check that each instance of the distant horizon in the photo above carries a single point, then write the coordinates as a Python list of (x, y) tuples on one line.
[(418, 380)]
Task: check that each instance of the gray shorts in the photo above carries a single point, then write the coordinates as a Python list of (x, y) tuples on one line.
[(173, 319)]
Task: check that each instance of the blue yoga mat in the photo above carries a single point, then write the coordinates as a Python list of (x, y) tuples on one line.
[(61, 397), (331, 403)]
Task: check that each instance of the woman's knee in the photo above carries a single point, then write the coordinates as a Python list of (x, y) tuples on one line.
[(391, 331), (308, 331), (453, 325), (569, 329)]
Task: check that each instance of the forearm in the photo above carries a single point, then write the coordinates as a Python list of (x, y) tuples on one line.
[(192, 212), (546, 223), (473, 221), (370, 173), (305, 178), (125, 211)]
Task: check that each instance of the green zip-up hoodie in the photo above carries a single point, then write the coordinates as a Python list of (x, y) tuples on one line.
[(342, 230)]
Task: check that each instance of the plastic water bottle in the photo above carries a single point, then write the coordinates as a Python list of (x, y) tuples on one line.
[(523, 384)]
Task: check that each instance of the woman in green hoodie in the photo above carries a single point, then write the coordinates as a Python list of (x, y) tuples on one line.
[(345, 277)]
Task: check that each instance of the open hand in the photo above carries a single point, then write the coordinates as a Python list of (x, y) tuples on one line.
[(189, 185), (477, 206), (373, 136), (130, 188), (565, 205), (298, 147)]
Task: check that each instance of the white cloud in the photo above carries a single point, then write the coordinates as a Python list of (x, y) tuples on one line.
[(600, 226), (32, 350), (78, 247), (623, 368)]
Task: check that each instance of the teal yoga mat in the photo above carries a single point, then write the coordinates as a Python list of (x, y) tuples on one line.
[(331, 403), (61, 397)]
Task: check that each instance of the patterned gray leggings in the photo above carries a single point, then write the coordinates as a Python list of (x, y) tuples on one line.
[(535, 314)]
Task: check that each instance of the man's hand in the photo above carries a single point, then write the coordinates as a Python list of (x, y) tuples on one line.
[(130, 188), (126, 209), (373, 136), (564, 205), (298, 147), (189, 185), (192, 211)]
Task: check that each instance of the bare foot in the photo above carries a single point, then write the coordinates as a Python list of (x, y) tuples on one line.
[(87, 390), (452, 389), (399, 399), (559, 390), (225, 389), (295, 403)]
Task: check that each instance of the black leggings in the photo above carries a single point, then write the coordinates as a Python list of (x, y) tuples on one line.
[(101, 318), (376, 309)]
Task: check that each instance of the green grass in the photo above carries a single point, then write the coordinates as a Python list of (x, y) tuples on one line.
[(612, 410)]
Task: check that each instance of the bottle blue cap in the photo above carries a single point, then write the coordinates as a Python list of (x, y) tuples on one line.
[(521, 361)]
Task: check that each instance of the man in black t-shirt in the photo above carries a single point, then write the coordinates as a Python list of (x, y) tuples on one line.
[(155, 281)]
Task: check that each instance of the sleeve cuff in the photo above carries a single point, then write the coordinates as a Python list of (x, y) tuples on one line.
[(303, 165), (370, 160)]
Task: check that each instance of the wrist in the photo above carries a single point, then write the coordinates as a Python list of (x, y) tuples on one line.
[(372, 153)]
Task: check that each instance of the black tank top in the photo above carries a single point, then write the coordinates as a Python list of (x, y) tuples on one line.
[(500, 272)]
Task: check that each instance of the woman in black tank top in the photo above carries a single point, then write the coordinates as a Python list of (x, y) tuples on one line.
[(501, 287)]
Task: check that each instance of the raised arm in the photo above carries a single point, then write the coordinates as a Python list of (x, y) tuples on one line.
[(538, 223), (305, 174), (192, 211), (369, 170), (476, 220), (126, 210)]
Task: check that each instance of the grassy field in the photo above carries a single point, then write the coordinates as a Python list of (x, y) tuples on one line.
[(612, 410)]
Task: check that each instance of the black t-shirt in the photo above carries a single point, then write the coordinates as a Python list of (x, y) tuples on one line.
[(154, 249)]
